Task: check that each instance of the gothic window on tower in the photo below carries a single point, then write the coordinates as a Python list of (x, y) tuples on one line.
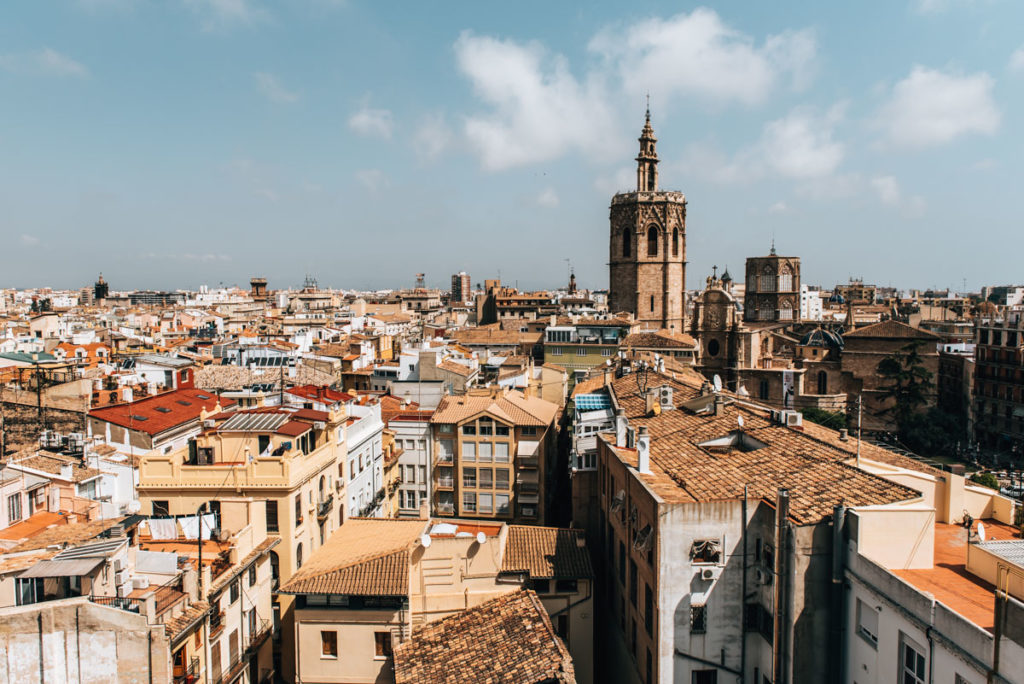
[(766, 312), (652, 302), (625, 243), (767, 283), (786, 311), (785, 281), (652, 241), (675, 242), (650, 178)]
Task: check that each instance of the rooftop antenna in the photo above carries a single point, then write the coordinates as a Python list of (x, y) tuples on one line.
[(773, 245)]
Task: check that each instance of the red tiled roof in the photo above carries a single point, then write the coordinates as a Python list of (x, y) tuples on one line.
[(892, 329), (154, 415), (319, 393)]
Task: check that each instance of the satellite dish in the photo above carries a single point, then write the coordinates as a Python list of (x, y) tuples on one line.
[(981, 531), (739, 419), (716, 382), (481, 537), (425, 540), (742, 391)]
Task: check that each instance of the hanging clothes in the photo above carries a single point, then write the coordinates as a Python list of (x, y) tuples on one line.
[(209, 524), (163, 528), (190, 526)]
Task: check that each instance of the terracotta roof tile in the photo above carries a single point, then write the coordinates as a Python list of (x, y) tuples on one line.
[(546, 552), (892, 329), (154, 415), (510, 407), (507, 640)]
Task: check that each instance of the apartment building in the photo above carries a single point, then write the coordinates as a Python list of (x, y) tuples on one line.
[(494, 455), (999, 383), (292, 459), (714, 519), (365, 487), (584, 344), (378, 582), (413, 434)]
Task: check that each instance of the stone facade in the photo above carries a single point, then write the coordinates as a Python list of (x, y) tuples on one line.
[(647, 247), (772, 289)]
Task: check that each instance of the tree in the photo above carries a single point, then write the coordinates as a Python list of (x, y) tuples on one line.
[(909, 384), (986, 480), (836, 421)]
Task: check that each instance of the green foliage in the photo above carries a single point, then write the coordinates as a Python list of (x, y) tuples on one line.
[(836, 421), (986, 480), (909, 384), (934, 433)]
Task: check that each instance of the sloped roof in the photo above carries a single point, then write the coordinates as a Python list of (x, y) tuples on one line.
[(364, 557), (892, 330), (507, 640), (546, 552), (156, 414), (509, 407), (662, 339)]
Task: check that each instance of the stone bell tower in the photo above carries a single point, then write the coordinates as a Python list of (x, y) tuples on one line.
[(647, 246)]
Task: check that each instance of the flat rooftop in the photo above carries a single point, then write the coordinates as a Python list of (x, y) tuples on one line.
[(950, 583)]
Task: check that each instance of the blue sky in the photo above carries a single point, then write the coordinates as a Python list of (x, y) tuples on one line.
[(182, 142)]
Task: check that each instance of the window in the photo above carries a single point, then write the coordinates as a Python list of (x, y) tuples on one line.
[(566, 586), (501, 478), (445, 429), (262, 443), (501, 431), (704, 677), (675, 242), (529, 431), (298, 509), (486, 478), (382, 644), (648, 609), (161, 509), (252, 575), (911, 662), (632, 582), (698, 619), (764, 389), (652, 241), (469, 451), (705, 551), (767, 283), (235, 591), (484, 454), (822, 382), (272, 524), (541, 586), (469, 502), (298, 556), (580, 351), (486, 428), (328, 644), (486, 503), (652, 302), (867, 623), (626, 246), (469, 477), (606, 352), (714, 347), (447, 449), (501, 452), (785, 282), (556, 351), (622, 563), (469, 429), (14, 508), (501, 504)]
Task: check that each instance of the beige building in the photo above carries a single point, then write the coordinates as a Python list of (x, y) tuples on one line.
[(293, 460), (494, 455), (376, 581)]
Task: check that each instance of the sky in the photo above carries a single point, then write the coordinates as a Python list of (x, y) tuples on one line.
[(174, 143)]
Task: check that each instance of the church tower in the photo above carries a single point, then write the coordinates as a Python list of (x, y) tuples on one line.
[(647, 248)]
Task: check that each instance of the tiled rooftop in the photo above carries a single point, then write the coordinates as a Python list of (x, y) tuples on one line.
[(546, 552), (156, 414), (507, 640)]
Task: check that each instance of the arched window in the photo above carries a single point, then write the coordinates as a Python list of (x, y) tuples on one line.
[(626, 247), (766, 312), (322, 492), (650, 178), (786, 311), (675, 242), (298, 556), (785, 279), (652, 241), (822, 382)]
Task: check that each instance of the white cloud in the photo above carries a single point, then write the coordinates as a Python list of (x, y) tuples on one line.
[(930, 107), (778, 208), (29, 240), (46, 61), (622, 179), (432, 137), (939, 6), (271, 88), (548, 198), (1016, 63), (890, 194), (375, 123), (697, 54), (539, 110), (800, 146), (219, 14), (372, 179)]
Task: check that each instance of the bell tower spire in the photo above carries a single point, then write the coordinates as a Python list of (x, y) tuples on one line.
[(647, 160)]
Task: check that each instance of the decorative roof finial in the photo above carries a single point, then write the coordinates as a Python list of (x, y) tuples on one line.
[(773, 246), (648, 106)]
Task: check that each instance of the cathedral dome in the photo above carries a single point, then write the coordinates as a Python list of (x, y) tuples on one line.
[(822, 338)]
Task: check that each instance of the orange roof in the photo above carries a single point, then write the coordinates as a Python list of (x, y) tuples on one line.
[(32, 525), (154, 415)]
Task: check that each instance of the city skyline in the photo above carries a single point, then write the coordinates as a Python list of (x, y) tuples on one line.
[(182, 144)]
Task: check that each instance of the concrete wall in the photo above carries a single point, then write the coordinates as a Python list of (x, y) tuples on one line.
[(76, 641), (898, 537), (356, 660)]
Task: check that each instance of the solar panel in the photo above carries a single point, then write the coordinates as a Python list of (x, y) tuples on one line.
[(593, 402)]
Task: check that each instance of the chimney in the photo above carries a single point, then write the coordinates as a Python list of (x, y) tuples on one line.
[(620, 427), (643, 451), (844, 435), (719, 405), (650, 401)]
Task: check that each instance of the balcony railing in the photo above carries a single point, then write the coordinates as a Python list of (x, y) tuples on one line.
[(240, 659), (446, 508), (216, 624), (323, 507), (527, 461), (188, 674), (132, 605), (445, 482)]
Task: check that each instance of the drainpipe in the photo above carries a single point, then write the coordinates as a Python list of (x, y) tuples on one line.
[(782, 647), (838, 585), (743, 603)]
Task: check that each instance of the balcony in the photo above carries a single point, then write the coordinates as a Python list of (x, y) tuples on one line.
[(239, 660), (216, 624), (323, 507), (188, 674), (527, 461), (446, 508), (131, 605), (445, 483), (444, 459)]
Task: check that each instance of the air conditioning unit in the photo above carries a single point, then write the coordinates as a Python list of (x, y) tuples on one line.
[(319, 425), (140, 582), (209, 423), (338, 484), (707, 574), (119, 565), (665, 397), (762, 576), (121, 577)]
